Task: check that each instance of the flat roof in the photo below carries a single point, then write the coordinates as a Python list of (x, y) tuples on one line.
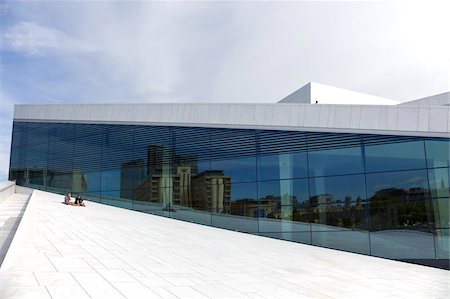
[(101, 251), (433, 121)]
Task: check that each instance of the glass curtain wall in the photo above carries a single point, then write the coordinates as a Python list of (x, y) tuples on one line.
[(386, 196)]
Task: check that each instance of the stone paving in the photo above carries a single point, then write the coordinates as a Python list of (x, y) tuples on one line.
[(101, 251)]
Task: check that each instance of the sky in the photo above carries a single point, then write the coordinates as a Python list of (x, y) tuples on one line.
[(240, 51)]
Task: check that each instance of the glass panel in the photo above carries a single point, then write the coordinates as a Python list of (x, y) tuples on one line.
[(402, 244), (19, 138), (61, 132), (240, 210), (439, 182), (59, 180), (92, 180), (18, 157), (438, 153), (282, 166), (442, 241), (195, 195), (394, 210), (282, 155), (401, 184), (36, 156), (148, 142), (239, 169), (335, 161), (337, 189), (283, 205), (395, 156), (111, 181), (441, 212), (299, 237), (132, 175), (342, 216), (113, 198), (37, 133), (354, 241)]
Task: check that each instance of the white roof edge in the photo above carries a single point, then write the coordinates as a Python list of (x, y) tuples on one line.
[(388, 120)]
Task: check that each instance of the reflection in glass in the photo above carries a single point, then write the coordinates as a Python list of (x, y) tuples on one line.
[(441, 208), (412, 184), (439, 182), (354, 241), (438, 153), (395, 156), (239, 169), (402, 244), (337, 189), (335, 161), (255, 181), (442, 241), (348, 216), (282, 166)]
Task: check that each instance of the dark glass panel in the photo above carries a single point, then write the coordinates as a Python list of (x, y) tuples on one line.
[(36, 156), (89, 145), (281, 155), (150, 142), (190, 144), (19, 127), (111, 181), (19, 137), (61, 149), (92, 196), (395, 156), (394, 211), (299, 237), (37, 133), (18, 157), (132, 175), (113, 198), (18, 175), (238, 169), (284, 192), (441, 212), (118, 138), (152, 198), (438, 152), (59, 132), (400, 184), (337, 189), (442, 243), (278, 142), (335, 161), (402, 244), (232, 144), (88, 130), (236, 209), (282, 166), (116, 159), (283, 219), (59, 180), (439, 182), (89, 181), (345, 216), (354, 241), (87, 163), (60, 164)]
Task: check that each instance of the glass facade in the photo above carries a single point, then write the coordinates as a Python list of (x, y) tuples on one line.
[(380, 195)]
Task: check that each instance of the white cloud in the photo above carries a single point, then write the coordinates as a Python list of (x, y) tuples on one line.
[(33, 39)]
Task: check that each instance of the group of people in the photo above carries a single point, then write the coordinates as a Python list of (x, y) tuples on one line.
[(78, 200)]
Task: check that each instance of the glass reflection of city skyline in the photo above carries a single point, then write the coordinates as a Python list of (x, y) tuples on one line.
[(380, 195)]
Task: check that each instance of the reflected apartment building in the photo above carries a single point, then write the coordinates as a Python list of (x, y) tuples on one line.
[(324, 166)]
